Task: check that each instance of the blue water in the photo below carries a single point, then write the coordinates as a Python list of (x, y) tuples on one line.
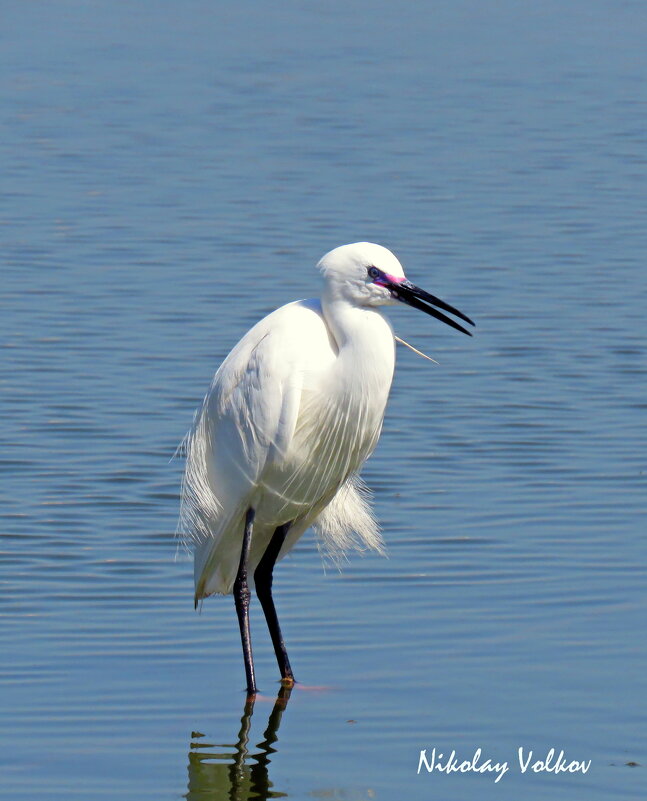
[(170, 173)]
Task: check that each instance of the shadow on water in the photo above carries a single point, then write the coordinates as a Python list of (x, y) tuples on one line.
[(241, 775)]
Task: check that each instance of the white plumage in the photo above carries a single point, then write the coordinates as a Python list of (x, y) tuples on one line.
[(291, 415)]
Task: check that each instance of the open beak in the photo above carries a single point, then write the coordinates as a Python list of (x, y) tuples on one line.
[(412, 295)]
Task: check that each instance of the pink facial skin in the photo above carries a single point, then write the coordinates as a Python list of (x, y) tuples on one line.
[(392, 279)]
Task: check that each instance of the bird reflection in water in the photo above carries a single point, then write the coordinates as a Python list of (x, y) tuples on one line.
[(216, 775)]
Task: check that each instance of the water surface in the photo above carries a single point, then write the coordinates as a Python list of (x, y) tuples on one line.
[(172, 173)]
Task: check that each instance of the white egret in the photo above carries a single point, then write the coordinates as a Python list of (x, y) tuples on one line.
[(291, 415)]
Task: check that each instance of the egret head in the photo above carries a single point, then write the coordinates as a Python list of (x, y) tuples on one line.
[(366, 274)]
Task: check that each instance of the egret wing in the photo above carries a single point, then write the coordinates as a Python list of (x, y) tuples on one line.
[(247, 417)]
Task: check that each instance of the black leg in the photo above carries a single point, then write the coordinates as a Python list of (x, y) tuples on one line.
[(263, 581), (241, 599)]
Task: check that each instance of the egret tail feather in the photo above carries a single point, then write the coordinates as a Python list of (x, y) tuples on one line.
[(348, 523)]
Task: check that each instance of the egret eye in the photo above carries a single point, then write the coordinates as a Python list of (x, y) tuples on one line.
[(373, 272)]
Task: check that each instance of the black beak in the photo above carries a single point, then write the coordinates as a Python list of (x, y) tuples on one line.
[(414, 296)]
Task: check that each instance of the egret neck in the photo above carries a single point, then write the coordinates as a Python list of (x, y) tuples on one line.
[(366, 352)]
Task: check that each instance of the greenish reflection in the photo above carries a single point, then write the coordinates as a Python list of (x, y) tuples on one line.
[(225, 776)]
